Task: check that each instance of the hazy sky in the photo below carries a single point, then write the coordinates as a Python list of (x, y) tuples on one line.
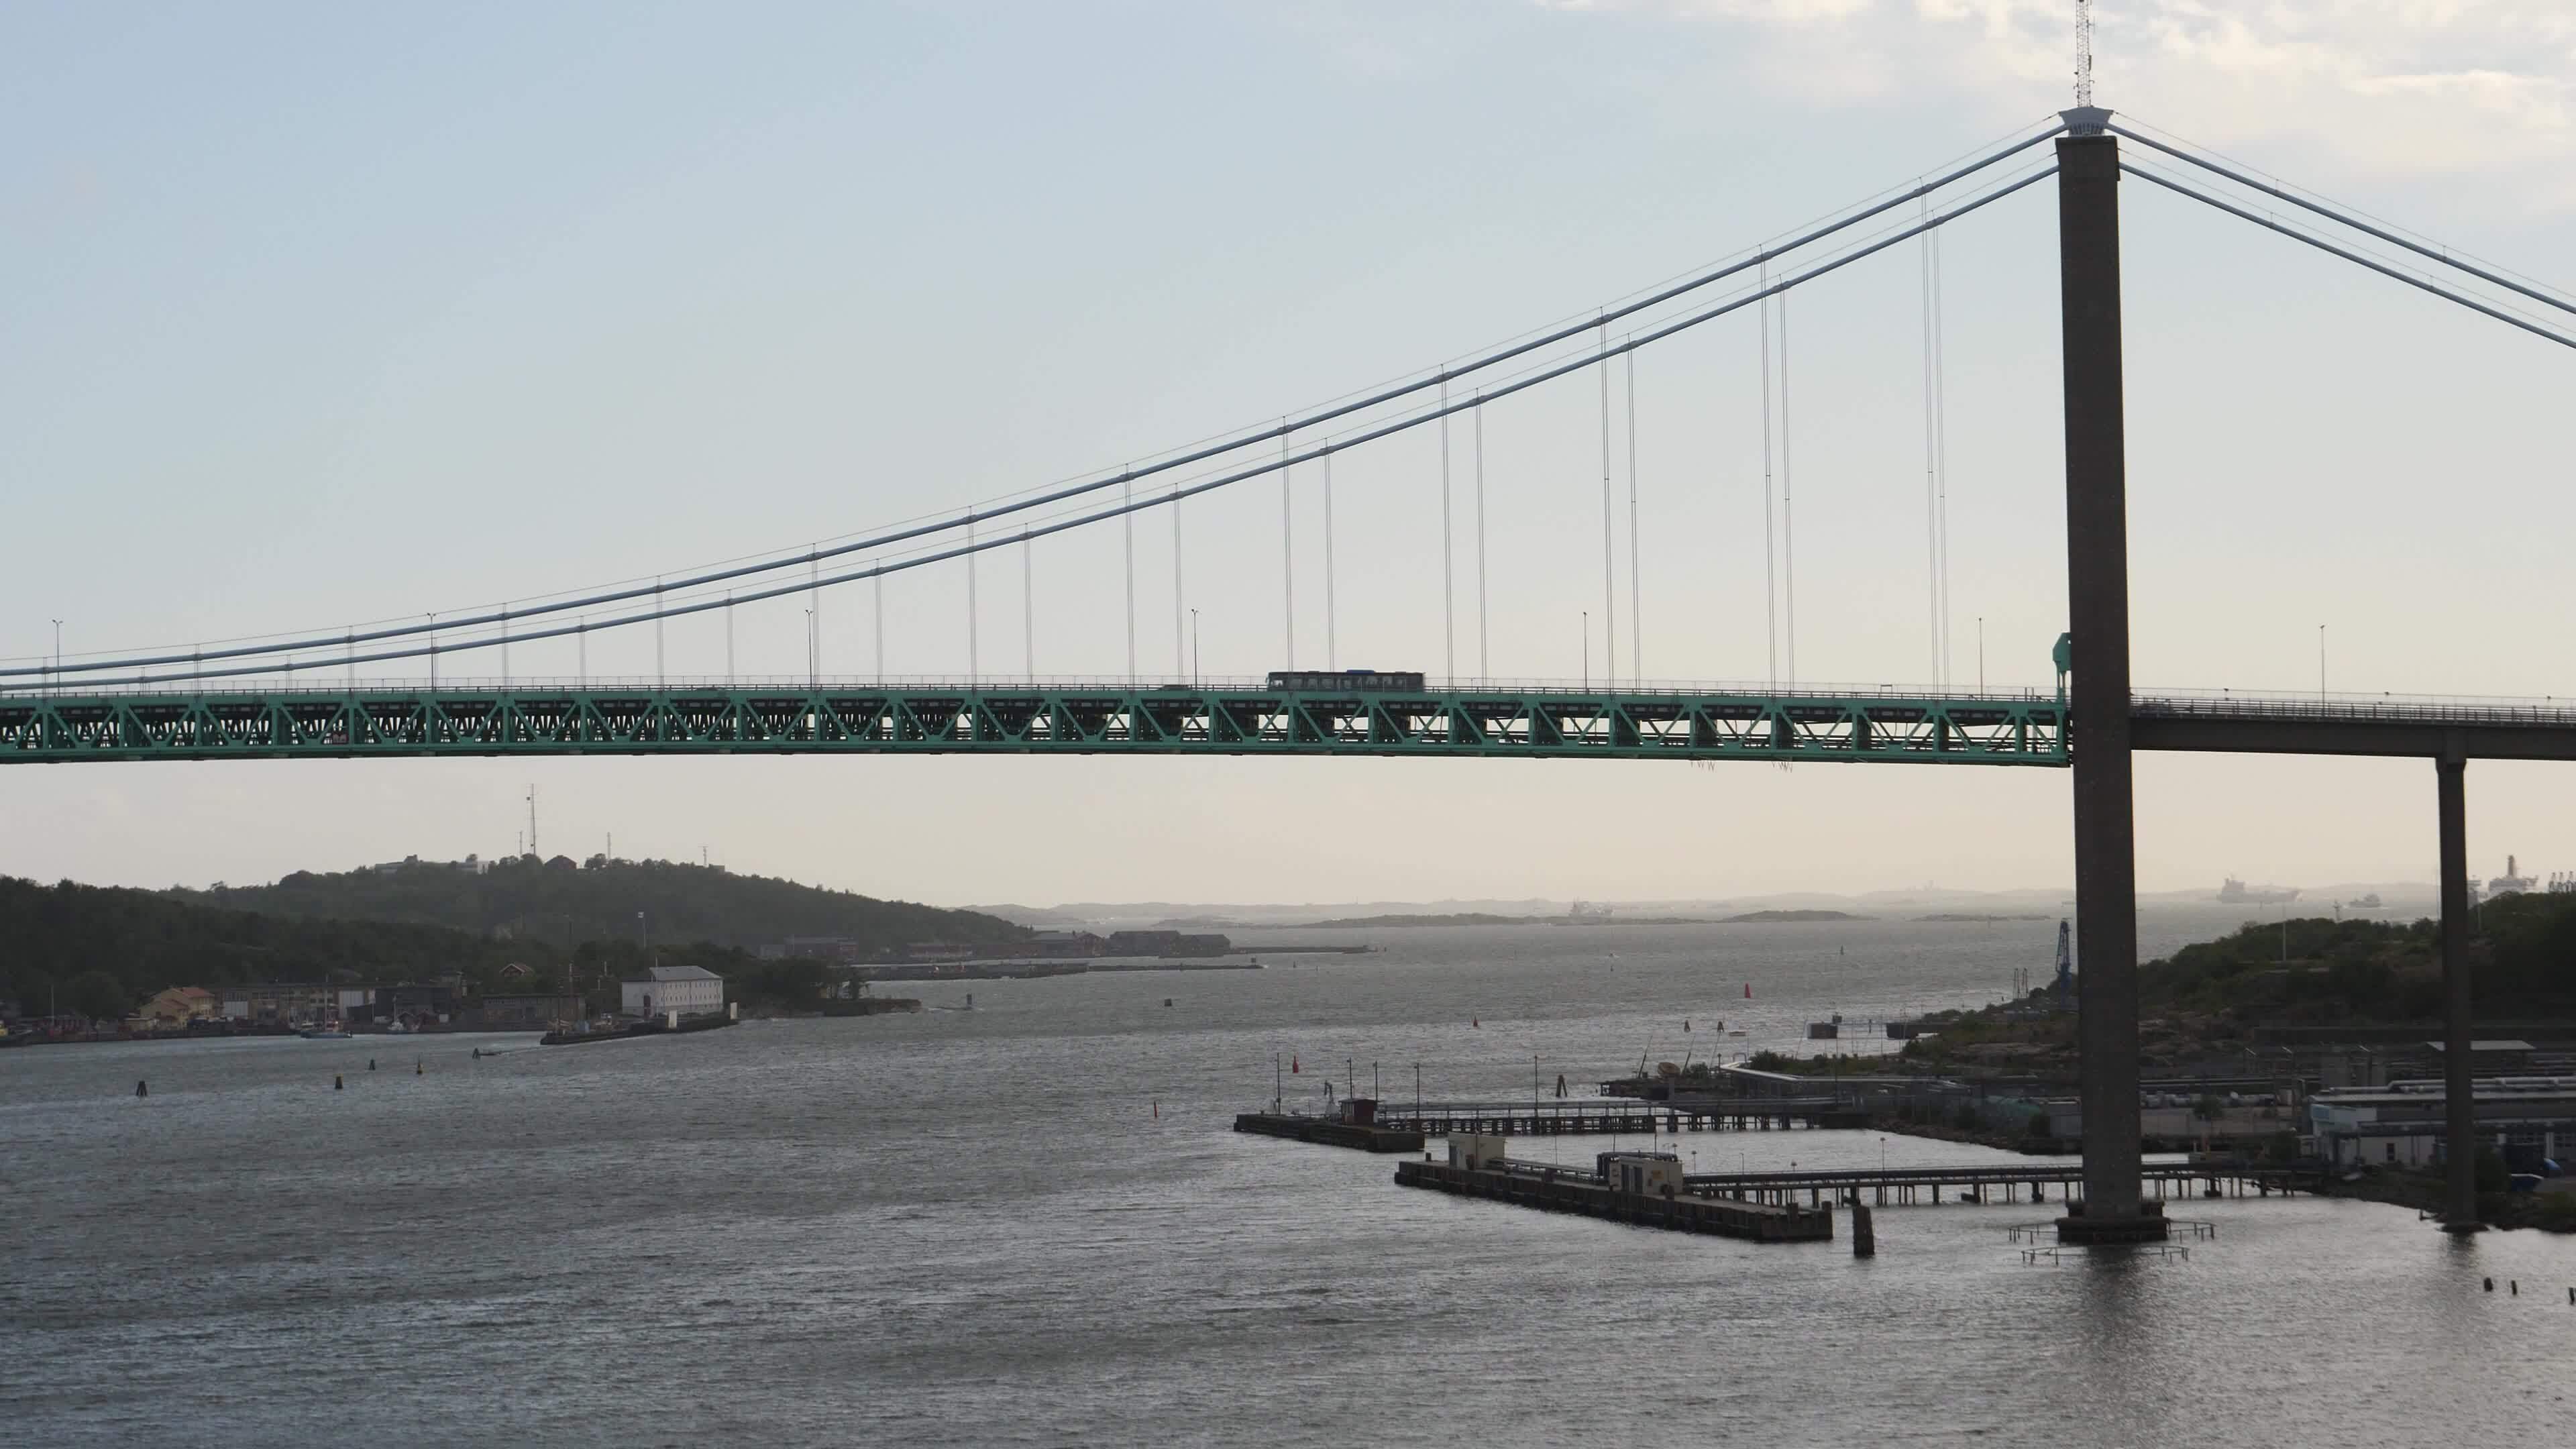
[(321, 313)]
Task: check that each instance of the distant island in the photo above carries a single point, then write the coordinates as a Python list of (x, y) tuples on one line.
[(1463, 918), (1485, 918), (1762, 917), (1978, 920)]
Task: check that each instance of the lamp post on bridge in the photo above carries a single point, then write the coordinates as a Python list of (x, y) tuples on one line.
[(1587, 651), (1198, 680)]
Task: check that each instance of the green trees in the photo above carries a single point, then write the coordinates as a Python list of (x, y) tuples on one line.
[(795, 984), (422, 920), (555, 900), (98, 996), (2374, 970), (142, 941)]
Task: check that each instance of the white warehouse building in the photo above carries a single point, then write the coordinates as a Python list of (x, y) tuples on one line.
[(688, 990)]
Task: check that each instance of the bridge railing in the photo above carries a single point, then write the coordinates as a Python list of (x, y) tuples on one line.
[(2394, 708), (322, 679)]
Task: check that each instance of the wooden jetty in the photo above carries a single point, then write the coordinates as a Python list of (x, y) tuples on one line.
[(1623, 1116), (1555, 1188), (1994, 1183)]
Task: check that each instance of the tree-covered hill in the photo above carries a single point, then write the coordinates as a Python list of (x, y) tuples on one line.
[(565, 904), (2522, 961), (2216, 995), (51, 936)]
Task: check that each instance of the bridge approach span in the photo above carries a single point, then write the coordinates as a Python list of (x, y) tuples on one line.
[(2418, 729)]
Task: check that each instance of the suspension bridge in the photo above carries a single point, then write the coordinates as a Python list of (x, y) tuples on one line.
[(301, 695)]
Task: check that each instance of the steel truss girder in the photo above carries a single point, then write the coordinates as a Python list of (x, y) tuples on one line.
[(321, 723)]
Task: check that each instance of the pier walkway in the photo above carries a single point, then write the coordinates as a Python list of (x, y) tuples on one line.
[(1996, 1182), (1332, 1131), (1554, 1187), (1623, 1116)]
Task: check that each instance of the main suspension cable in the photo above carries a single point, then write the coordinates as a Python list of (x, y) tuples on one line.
[(1126, 476), (1535, 377), (2442, 255), (2530, 325)]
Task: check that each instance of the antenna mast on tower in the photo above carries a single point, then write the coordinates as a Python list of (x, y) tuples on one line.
[(532, 820), (2083, 52)]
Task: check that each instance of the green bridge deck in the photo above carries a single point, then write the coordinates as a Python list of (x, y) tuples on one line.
[(285, 723)]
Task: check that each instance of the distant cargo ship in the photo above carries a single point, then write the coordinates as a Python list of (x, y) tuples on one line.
[(2236, 893), (2370, 902), (2512, 882)]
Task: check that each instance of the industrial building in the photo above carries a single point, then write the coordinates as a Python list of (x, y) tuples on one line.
[(533, 1012), (688, 990), (2401, 1124)]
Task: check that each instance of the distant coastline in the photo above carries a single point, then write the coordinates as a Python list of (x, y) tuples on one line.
[(1482, 918)]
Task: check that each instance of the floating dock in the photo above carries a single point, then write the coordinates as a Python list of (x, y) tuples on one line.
[(1628, 1187)]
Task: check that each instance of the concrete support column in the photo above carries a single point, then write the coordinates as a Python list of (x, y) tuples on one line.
[(2097, 582), (2459, 1105)]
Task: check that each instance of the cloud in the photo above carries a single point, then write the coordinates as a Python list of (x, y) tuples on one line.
[(2355, 88)]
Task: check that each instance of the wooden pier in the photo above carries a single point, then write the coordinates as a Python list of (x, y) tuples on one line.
[(1622, 1116), (1554, 1188), (1995, 1183), (1331, 1131)]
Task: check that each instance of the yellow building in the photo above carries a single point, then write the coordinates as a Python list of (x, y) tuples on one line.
[(173, 1009)]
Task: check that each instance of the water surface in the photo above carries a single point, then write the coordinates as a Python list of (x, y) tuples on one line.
[(1029, 1224)]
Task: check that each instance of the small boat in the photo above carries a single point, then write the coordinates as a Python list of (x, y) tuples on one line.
[(323, 1033)]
